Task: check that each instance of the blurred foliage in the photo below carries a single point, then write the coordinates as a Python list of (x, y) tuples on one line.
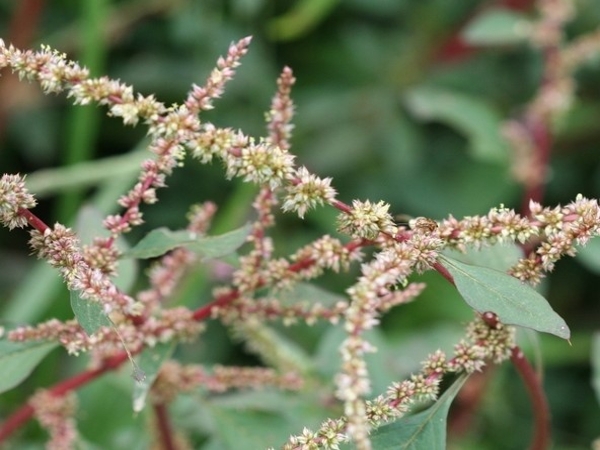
[(379, 112)]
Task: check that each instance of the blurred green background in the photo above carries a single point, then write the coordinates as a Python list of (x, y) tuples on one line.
[(384, 105)]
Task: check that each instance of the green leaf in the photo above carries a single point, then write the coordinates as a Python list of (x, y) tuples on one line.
[(472, 116), (263, 418), (253, 429), (221, 245), (498, 257), (149, 363), (514, 302), (497, 27), (309, 293), (162, 240), (18, 359), (158, 242), (425, 430), (596, 364), (89, 313)]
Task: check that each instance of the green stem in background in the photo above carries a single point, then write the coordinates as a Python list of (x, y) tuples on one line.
[(83, 122), (89, 174)]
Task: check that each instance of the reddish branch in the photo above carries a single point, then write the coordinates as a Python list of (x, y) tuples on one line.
[(443, 272), (25, 412), (165, 430), (33, 220), (541, 412), (453, 49)]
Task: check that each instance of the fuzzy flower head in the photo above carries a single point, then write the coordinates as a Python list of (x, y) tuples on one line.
[(366, 220), (211, 141), (201, 97), (13, 197), (584, 215), (498, 340), (265, 164), (56, 414), (60, 247), (307, 191)]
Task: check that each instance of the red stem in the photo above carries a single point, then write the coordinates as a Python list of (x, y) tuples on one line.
[(164, 427), (25, 412), (33, 220), (205, 311), (541, 412), (453, 49), (443, 272), (341, 206), (540, 134)]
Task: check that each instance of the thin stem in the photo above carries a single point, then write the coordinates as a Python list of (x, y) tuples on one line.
[(165, 430), (25, 412), (540, 134), (205, 311), (341, 206), (33, 220), (541, 412), (443, 272)]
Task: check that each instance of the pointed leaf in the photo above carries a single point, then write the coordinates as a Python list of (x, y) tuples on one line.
[(426, 429), (514, 302), (89, 313), (149, 363), (161, 240), (18, 359)]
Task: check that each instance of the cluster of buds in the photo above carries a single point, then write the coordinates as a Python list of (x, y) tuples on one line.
[(143, 320), (482, 343)]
